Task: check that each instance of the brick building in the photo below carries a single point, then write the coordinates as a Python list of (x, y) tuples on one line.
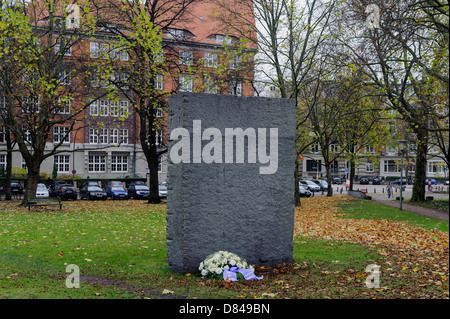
[(105, 143)]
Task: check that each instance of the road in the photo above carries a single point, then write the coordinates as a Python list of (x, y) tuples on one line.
[(379, 191)]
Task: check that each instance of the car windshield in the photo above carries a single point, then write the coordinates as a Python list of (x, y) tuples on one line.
[(162, 188), (41, 187), (67, 187), (117, 188), (142, 187), (94, 188)]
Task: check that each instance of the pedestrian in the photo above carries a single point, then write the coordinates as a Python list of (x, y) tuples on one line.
[(429, 185), (389, 189)]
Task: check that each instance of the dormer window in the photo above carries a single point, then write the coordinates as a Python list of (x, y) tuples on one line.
[(178, 33)]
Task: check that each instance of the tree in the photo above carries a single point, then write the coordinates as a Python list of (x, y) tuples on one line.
[(37, 40), (287, 36), (138, 27), (403, 59)]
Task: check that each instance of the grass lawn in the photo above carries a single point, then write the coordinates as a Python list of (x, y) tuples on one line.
[(120, 250)]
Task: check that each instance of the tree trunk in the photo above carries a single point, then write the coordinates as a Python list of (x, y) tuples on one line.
[(418, 194), (32, 181), (352, 172), (8, 193), (330, 188)]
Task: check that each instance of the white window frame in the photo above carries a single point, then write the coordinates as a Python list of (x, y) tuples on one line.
[(96, 163), (124, 136), (93, 135), (59, 132), (119, 163), (62, 163), (186, 57), (94, 108), (103, 137), (114, 137), (94, 49), (186, 83), (103, 109), (210, 59)]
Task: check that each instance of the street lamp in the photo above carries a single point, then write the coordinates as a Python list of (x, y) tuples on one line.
[(402, 144)]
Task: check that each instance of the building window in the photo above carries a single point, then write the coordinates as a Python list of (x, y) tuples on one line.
[(159, 113), (94, 49), (123, 55), (61, 134), (186, 57), (104, 108), (64, 106), (2, 134), (103, 136), (369, 167), (104, 50), (235, 88), (93, 136), (115, 109), (315, 148), (119, 163), (159, 138), (186, 83), (94, 108), (390, 166), (124, 136), (159, 82), (2, 162), (115, 136), (97, 163), (62, 163), (210, 85), (313, 165), (124, 109), (211, 60)]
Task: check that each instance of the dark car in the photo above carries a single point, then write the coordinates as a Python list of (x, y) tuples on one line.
[(53, 188), (116, 192), (92, 192), (376, 181), (138, 191), (66, 192), (364, 180), (16, 188), (303, 191), (89, 183), (337, 180)]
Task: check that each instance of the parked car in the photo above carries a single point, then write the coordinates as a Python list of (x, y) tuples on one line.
[(42, 191), (16, 188), (323, 184), (53, 188), (337, 180), (114, 183), (67, 192), (310, 185), (116, 192), (376, 181), (162, 190), (89, 183), (303, 191), (433, 181), (92, 192), (364, 181), (138, 191), (446, 182), (63, 191), (135, 183), (397, 181)]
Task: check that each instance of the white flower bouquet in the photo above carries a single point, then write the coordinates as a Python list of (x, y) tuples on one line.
[(216, 264)]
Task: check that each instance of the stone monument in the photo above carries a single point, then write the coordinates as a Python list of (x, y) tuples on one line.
[(230, 179)]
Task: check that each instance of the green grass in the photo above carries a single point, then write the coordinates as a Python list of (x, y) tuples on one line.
[(362, 209), (126, 242), (439, 204)]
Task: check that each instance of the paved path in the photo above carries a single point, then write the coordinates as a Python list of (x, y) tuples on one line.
[(416, 209)]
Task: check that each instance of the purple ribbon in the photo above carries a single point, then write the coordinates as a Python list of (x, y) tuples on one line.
[(231, 274)]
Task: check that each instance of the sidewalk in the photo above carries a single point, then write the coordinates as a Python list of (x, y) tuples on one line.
[(415, 209)]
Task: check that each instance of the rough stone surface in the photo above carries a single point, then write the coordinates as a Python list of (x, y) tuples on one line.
[(231, 206)]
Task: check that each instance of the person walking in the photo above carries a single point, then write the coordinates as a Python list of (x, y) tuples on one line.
[(389, 189)]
